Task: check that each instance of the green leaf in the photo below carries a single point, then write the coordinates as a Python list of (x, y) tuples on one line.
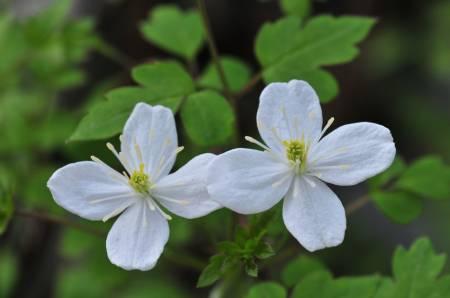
[(349, 287), (212, 272), (299, 268), (300, 8), (237, 74), (314, 285), (323, 83), (401, 207), (267, 290), (287, 51), (176, 31), (165, 83), (415, 271), (379, 181), (277, 39), (208, 118), (163, 79), (321, 284), (428, 177)]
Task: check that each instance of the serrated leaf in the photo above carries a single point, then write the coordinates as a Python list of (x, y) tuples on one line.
[(300, 8), (267, 290), (176, 31), (212, 272), (165, 83), (237, 74), (208, 118), (299, 268), (399, 206), (428, 177), (287, 51), (416, 270)]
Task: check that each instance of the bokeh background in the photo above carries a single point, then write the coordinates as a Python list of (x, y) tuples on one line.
[(401, 79)]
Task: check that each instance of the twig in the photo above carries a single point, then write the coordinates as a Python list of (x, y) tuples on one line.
[(357, 204), (213, 49), (249, 86), (58, 220), (184, 260)]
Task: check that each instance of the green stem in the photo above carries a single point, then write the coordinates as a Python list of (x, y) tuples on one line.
[(357, 204), (184, 260), (213, 49), (249, 86)]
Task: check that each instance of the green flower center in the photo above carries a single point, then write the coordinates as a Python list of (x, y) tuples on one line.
[(296, 151), (139, 180)]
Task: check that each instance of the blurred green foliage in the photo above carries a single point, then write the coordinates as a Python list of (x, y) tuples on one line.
[(42, 57), (416, 273)]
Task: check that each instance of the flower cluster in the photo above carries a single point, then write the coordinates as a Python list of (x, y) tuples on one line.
[(295, 162)]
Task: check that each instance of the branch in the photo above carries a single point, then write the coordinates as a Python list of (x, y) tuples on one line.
[(213, 49), (58, 220), (357, 204), (247, 88)]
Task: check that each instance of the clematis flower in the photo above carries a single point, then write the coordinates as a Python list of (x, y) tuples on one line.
[(93, 190), (296, 161)]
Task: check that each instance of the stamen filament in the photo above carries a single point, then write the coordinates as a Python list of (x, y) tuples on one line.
[(256, 142), (113, 172), (329, 123)]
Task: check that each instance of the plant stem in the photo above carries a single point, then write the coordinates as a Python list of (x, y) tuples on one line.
[(249, 86), (357, 204), (184, 260), (213, 50), (58, 220)]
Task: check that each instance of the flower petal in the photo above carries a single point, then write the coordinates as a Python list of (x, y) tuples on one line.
[(288, 111), (153, 130), (313, 214), (90, 190), (184, 192), (248, 181), (137, 238), (352, 153)]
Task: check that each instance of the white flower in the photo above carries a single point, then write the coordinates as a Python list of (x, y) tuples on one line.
[(295, 161), (94, 191)]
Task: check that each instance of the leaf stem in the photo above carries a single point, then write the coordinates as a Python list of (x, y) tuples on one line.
[(58, 220), (249, 86), (357, 204), (213, 50), (184, 260)]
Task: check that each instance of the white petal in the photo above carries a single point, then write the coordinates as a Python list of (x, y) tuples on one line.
[(184, 192), (288, 111), (90, 190), (352, 153), (137, 238), (248, 181), (153, 130), (314, 214)]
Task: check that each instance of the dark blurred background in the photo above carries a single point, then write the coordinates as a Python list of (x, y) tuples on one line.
[(401, 79)]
